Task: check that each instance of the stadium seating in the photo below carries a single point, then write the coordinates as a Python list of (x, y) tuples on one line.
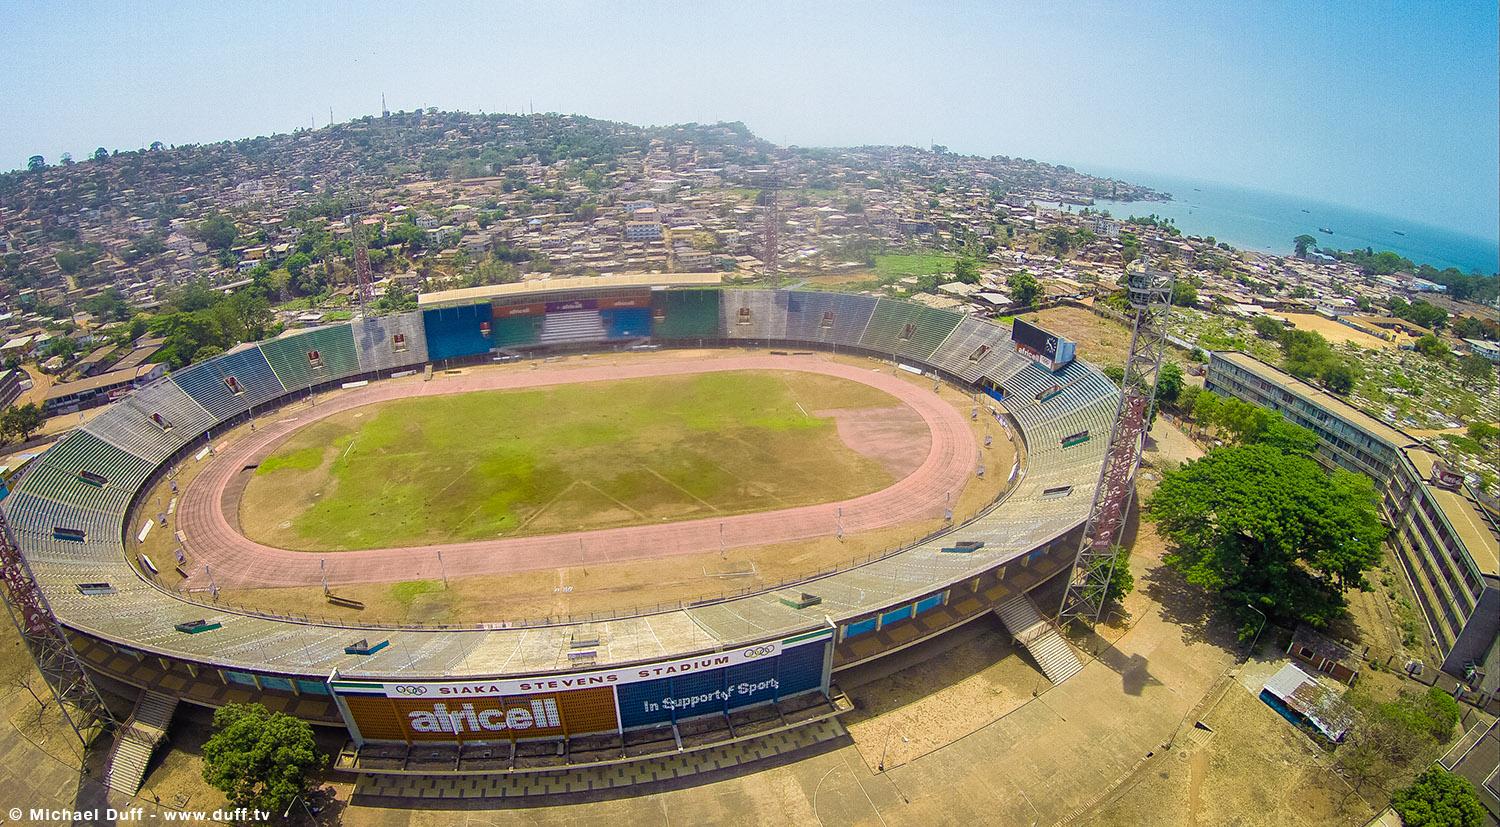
[(685, 314), (572, 326), (153, 422), (311, 357), (973, 349), (627, 322), (457, 332), (753, 314), (514, 331), (232, 383), (390, 342), (70, 524), (828, 318)]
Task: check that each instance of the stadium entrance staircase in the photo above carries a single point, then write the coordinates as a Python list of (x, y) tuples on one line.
[(137, 740), (1046, 646)]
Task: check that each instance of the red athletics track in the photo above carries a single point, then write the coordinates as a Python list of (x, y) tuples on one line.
[(239, 562)]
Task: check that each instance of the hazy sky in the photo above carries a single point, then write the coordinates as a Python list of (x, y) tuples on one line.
[(1388, 107)]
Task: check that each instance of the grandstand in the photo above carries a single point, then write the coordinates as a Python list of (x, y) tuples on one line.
[(70, 515)]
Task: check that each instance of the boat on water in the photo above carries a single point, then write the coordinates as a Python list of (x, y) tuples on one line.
[(1325, 230), (1307, 211), (1398, 232)]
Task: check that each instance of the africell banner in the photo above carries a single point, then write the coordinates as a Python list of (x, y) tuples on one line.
[(587, 702)]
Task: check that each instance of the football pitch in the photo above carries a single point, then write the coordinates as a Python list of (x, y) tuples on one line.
[(569, 457)]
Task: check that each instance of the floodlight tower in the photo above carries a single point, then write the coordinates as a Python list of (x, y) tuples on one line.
[(770, 196), (1150, 294), (361, 262), (76, 696)]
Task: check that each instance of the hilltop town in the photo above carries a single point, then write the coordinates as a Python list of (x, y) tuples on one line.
[(118, 267)]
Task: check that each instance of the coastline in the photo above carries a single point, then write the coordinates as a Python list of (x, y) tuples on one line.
[(1267, 222)]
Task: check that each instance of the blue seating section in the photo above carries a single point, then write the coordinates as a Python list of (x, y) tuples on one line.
[(627, 322), (206, 382), (457, 332)]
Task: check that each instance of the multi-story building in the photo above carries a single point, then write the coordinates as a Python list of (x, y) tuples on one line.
[(1448, 545)]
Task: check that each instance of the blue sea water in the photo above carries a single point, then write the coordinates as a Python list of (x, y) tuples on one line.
[(1266, 221)]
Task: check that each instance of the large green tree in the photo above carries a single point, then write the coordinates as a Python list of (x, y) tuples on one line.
[(1270, 530), (1024, 288), (1303, 243), (259, 758), (1438, 798)]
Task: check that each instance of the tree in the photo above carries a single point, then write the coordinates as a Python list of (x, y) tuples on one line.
[(1476, 367), (259, 758), (1438, 798), (1060, 240), (1432, 347), (1024, 288), (1339, 377), (35, 163), (218, 232), (1483, 432), (100, 154), (1274, 530), (1169, 383), (1267, 327), (1286, 437), (966, 270), (1303, 243), (20, 422)]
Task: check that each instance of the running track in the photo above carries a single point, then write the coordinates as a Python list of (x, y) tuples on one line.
[(239, 562)]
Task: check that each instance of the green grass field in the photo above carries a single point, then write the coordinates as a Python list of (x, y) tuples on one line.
[(586, 456), (891, 266)]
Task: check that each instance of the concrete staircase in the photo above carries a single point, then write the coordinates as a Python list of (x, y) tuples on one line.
[(137, 739), (1043, 642)]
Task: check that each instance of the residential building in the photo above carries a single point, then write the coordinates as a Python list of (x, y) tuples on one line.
[(10, 386), (1448, 545), (98, 390)]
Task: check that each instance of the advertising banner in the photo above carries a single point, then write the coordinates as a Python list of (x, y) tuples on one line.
[(606, 700)]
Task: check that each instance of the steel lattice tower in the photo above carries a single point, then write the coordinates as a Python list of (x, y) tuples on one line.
[(76, 697), (770, 197), (361, 262), (1150, 294)]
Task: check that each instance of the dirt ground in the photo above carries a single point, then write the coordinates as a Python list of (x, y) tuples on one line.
[(1100, 340), (1336, 333), (1245, 766), (918, 700)]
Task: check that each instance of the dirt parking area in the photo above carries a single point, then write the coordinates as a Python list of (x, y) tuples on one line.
[(1244, 765), (1337, 333)]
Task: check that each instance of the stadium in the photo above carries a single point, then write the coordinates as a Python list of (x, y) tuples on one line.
[(164, 536)]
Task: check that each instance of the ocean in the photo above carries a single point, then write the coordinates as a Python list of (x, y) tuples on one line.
[(1266, 221)]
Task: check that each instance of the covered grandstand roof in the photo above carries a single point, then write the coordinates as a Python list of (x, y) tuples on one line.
[(470, 295)]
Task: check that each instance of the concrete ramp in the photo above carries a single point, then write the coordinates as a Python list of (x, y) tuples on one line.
[(1043, 642)]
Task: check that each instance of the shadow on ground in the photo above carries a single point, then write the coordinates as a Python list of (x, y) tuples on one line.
[(1196, 611)]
